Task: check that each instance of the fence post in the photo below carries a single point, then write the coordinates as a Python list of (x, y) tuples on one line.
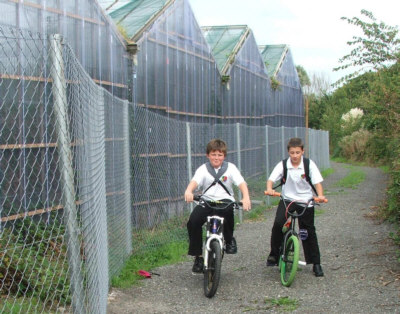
[(127, 179), (59, 91), (239, 164), (283, 142), (267, 160), (189, 156)]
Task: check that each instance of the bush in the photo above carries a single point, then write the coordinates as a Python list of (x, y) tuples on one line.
[(354, 146)]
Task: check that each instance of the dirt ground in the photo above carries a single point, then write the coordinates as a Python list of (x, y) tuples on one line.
[(360, 262)]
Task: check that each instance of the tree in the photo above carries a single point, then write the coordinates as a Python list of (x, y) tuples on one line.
[(378, 48), (320, 85), (303, 76)]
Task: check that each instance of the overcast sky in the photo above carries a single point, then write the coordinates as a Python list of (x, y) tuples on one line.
[(313, 29)]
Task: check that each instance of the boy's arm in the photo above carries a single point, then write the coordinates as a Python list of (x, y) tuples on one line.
[(269, 190), (246, 204), (320, 191), (189, 191)]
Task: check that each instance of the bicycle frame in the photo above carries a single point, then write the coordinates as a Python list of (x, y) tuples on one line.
[(292, 230), (213, 234), (213, 251), (289, 255)]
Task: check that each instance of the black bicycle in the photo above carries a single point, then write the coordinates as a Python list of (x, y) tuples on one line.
[(289, 258), (214, 244)]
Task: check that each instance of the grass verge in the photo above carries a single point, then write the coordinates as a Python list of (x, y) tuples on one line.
[(166, 254), (353, 178)]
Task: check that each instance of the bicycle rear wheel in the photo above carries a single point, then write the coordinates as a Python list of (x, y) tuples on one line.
[(289, 261), (213, 272)]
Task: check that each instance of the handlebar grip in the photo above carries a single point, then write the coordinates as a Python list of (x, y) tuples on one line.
[(316, 199), (277, 194), (196, 198)]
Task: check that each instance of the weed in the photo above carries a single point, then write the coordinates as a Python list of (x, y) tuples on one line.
[(283, 303)]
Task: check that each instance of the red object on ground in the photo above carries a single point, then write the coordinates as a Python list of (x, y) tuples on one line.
[(144, 273)]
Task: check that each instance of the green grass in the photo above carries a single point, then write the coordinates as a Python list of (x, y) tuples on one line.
[(353, 179), (283, 303), (327, 172), (257, 186), (166, 254), (21, 305), (256, 213)]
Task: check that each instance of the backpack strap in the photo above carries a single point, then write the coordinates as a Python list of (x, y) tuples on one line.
[(217, 175), (306, 162), (283, 180)]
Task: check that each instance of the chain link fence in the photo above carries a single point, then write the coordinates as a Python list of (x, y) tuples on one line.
[(87, 179)]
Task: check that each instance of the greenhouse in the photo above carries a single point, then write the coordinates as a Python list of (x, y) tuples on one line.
[(95, 40), (287, 96), (245, 84), (175, 72)]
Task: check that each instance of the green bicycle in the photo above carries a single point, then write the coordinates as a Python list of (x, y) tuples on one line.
[(289, 258)]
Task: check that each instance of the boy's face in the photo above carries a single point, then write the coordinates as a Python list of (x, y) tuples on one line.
[(295, 154), (216, 158)]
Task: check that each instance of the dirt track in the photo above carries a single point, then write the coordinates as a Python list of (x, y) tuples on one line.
[(362, 274)]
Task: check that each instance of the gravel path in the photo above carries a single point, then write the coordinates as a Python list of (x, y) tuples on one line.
[(362, 274)]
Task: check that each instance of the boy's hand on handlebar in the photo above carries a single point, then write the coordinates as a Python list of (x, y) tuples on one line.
[(246, 204), (272, 193), (188, 197), (320, 199)]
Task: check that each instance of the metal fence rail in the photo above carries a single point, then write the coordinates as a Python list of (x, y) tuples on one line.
[(87, 178)]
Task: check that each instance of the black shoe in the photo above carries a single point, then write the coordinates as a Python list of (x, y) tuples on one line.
[(272, 261), (317, 269), (231, 248), (198, 264)]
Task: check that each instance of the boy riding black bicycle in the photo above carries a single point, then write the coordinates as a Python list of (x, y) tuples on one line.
[(215, 179), (299, 176)]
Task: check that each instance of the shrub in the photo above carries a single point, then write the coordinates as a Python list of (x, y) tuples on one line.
[(354, 146)]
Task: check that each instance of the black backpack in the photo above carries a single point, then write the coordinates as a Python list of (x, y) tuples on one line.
[(306, 163), (217, 175)]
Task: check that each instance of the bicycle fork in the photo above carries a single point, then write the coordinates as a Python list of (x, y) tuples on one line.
[(214, 232)]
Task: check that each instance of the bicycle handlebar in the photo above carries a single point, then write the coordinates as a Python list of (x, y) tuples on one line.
[(199, 198), (316, 198)]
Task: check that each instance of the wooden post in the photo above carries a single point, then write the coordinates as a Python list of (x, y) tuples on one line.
[(306, 135)]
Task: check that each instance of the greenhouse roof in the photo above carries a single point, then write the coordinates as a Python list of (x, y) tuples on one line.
[(273, 56), (133, 16), (225, 42)]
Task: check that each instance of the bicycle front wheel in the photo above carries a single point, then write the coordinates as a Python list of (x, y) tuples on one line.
[(213, 272), (289, 261)]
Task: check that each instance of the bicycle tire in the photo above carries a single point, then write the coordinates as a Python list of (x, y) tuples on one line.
[(289, 261), (212, 274)]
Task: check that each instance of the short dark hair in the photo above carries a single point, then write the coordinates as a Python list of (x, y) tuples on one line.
[(216, 144), (295, 142)]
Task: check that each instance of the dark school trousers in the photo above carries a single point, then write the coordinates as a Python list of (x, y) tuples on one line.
[(196, 220), (306, 221)]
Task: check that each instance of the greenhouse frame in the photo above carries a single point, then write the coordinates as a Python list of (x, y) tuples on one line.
[(287, 96)]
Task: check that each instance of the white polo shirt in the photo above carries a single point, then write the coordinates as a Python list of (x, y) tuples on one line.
[(296, 186), (204, 179)]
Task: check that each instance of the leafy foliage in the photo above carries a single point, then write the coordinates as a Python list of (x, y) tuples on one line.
[(375, 138), (377, 49), (303, 76), (40, 276)]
